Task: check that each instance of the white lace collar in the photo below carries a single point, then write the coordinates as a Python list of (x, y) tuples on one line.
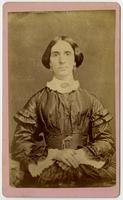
[(63, 86)]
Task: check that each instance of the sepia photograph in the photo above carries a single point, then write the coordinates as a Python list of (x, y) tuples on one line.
[(62, 126)]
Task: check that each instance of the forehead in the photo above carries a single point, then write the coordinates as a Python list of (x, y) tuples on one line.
[(62, 45)]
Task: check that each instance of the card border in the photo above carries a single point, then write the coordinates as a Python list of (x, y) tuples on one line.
[(9, 191)]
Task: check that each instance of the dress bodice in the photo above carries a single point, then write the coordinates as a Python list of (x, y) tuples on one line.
[(60, 115)]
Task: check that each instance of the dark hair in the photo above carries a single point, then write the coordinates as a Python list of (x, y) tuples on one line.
[(78, 54)]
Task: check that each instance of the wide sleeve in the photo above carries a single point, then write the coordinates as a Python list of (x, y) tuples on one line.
[(28, 143), (101, 139)]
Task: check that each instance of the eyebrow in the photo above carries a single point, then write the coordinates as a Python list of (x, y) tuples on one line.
[(67, 51), (55, 51)]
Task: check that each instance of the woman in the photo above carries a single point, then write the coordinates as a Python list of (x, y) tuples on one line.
[(63, 137)]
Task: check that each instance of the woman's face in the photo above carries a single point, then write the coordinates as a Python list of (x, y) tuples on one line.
[(62, 59)]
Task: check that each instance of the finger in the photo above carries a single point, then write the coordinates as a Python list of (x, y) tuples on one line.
[(72, 152), (33, 170), (75, 161), (60, 163), (69, 152), (63, 166), (64, 160), (72, 161)]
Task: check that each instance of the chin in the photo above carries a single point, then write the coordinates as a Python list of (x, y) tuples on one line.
[(65, 72)]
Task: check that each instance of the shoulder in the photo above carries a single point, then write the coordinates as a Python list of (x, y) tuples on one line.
[(85, 92), (36, 97), (90, 96), (99, 113), (28, 111), (85, 98), (86, 95), (95, 103)]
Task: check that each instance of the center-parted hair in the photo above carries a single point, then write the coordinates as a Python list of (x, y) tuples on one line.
[(77, 53)]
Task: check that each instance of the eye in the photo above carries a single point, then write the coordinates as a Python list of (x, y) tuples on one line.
[(55, 53), (67, 53)]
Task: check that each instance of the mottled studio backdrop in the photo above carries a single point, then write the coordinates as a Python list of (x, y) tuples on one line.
[(29, 34)]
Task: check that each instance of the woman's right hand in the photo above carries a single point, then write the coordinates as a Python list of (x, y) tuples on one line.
[(33, 169), (67, 156), (37, 169)]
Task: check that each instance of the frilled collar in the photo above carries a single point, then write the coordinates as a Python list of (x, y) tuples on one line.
[(63, 86)]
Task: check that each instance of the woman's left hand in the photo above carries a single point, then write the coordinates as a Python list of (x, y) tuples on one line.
[(63, 165), (67, 156), (82, 156)]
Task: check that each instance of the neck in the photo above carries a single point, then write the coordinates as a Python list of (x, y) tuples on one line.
[(63, 85), (65, 78)]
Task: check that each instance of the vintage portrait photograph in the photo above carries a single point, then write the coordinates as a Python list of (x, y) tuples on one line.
[(62, 98)]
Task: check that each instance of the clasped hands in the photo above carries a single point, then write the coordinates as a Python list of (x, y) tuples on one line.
[(68, 157), (65, 158)]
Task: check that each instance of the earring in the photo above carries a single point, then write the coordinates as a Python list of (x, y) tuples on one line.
[(74, 68), (75, 72), (51, 70)]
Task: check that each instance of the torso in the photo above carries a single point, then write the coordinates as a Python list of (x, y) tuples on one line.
[(65, 115)]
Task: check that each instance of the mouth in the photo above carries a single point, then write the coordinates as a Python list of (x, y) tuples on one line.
[(62, 68)]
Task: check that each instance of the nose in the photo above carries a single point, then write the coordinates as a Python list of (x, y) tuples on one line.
[(61, 58)]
